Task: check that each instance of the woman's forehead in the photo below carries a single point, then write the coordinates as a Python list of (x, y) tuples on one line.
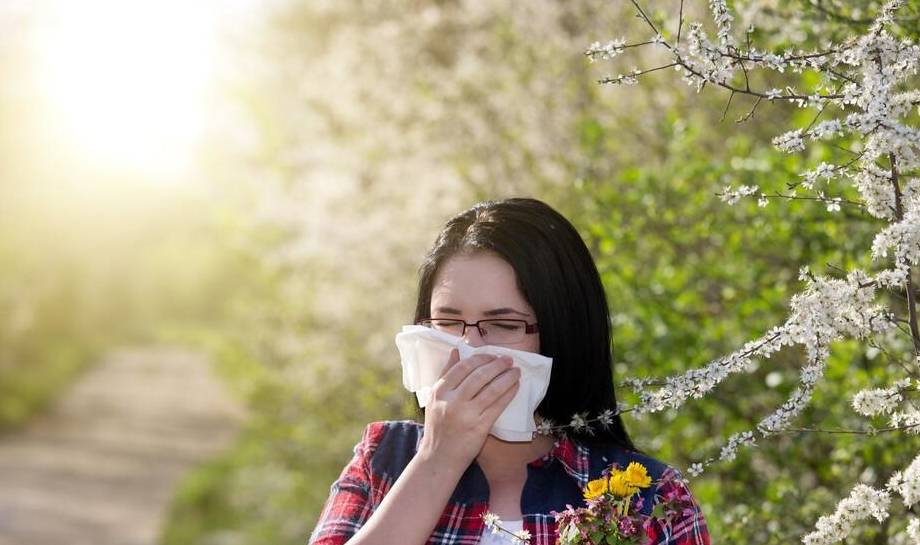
[(476, 281), (476, 270)]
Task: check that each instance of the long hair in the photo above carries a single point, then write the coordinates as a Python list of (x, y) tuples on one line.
[(557, 276)]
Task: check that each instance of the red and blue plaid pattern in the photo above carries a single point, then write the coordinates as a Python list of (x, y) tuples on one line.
[(553, 481)]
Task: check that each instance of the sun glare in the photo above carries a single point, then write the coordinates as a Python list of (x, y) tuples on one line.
[(127, 81)]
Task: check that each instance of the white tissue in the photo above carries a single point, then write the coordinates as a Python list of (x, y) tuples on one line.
[(424, 353)]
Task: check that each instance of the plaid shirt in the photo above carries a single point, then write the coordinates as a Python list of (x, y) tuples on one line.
[(553, 481)]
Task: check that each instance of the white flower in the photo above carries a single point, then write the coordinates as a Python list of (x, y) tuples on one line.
[(825, 170), (730, 449), (605, 418), (913, 530), (722, 18), (521, 536), (579, 422), (903, 236), (492, 522), (790, 141), (545, 427), (731, 196), (826, 129), (695, 469), (605, 51), (870, 402), (907, 483), (863, 502)]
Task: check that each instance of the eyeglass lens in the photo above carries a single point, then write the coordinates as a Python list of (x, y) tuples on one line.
[(492, 331)]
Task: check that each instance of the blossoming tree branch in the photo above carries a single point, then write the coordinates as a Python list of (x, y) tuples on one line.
[(865, 102)]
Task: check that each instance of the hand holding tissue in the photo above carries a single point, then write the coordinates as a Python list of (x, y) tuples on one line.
[(424, 353)]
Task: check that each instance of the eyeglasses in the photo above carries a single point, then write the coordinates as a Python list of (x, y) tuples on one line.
[(493, 330)]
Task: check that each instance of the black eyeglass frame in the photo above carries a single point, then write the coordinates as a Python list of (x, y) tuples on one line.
[(529, 329)]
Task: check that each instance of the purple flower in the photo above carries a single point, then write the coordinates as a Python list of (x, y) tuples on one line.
[(638, 503), (628, 527)]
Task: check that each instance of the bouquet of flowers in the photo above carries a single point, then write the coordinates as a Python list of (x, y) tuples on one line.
[(613, 512)]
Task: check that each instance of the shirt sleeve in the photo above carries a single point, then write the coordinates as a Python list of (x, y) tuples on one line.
[(687, 526), (350, 497)]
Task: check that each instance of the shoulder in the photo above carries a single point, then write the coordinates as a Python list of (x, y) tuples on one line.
[(380, 431), (391, 433), (388, 445)]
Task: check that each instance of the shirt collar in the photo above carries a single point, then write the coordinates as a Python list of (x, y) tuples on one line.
[(574, 458)]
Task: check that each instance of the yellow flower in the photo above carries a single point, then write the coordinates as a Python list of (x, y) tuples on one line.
[(595, 488), (637, 476), (619, 486)]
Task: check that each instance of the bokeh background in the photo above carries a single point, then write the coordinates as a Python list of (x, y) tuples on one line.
[(256, 183)]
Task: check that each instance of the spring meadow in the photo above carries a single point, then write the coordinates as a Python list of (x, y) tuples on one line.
[(212, 216)]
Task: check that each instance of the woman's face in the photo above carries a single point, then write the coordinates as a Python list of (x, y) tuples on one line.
[(480, 286)]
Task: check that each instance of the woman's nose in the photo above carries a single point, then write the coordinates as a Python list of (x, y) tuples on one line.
[(472, 336)]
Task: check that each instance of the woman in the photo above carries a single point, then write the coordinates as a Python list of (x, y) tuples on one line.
[(410, 484)]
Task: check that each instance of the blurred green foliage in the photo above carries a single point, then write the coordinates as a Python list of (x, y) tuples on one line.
[(502, 98)]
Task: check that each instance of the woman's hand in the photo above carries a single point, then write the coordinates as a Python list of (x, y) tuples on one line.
[(465, 401)]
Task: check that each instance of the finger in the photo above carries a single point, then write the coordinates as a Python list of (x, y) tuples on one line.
[(479, 377), (497, 387), (459, 370), (453, 358), (490, 414)]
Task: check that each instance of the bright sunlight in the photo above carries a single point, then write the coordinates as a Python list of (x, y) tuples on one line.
[(127, 82)]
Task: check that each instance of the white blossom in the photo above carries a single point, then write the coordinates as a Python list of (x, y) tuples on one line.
[(826, 129), (606, 51), (876, 189), (913, 530), (521, 536), (790, 141), (730, 449), (579, 422), (862, 503), (545, 427), (492, 522), (870, 402), (903, 236), (605, 418), (907, 483), (731, 196), (723, 20)]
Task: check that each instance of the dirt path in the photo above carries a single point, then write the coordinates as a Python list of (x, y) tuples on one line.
[(100, 468)]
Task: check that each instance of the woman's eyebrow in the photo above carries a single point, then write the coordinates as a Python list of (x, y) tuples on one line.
[(493, 312)]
